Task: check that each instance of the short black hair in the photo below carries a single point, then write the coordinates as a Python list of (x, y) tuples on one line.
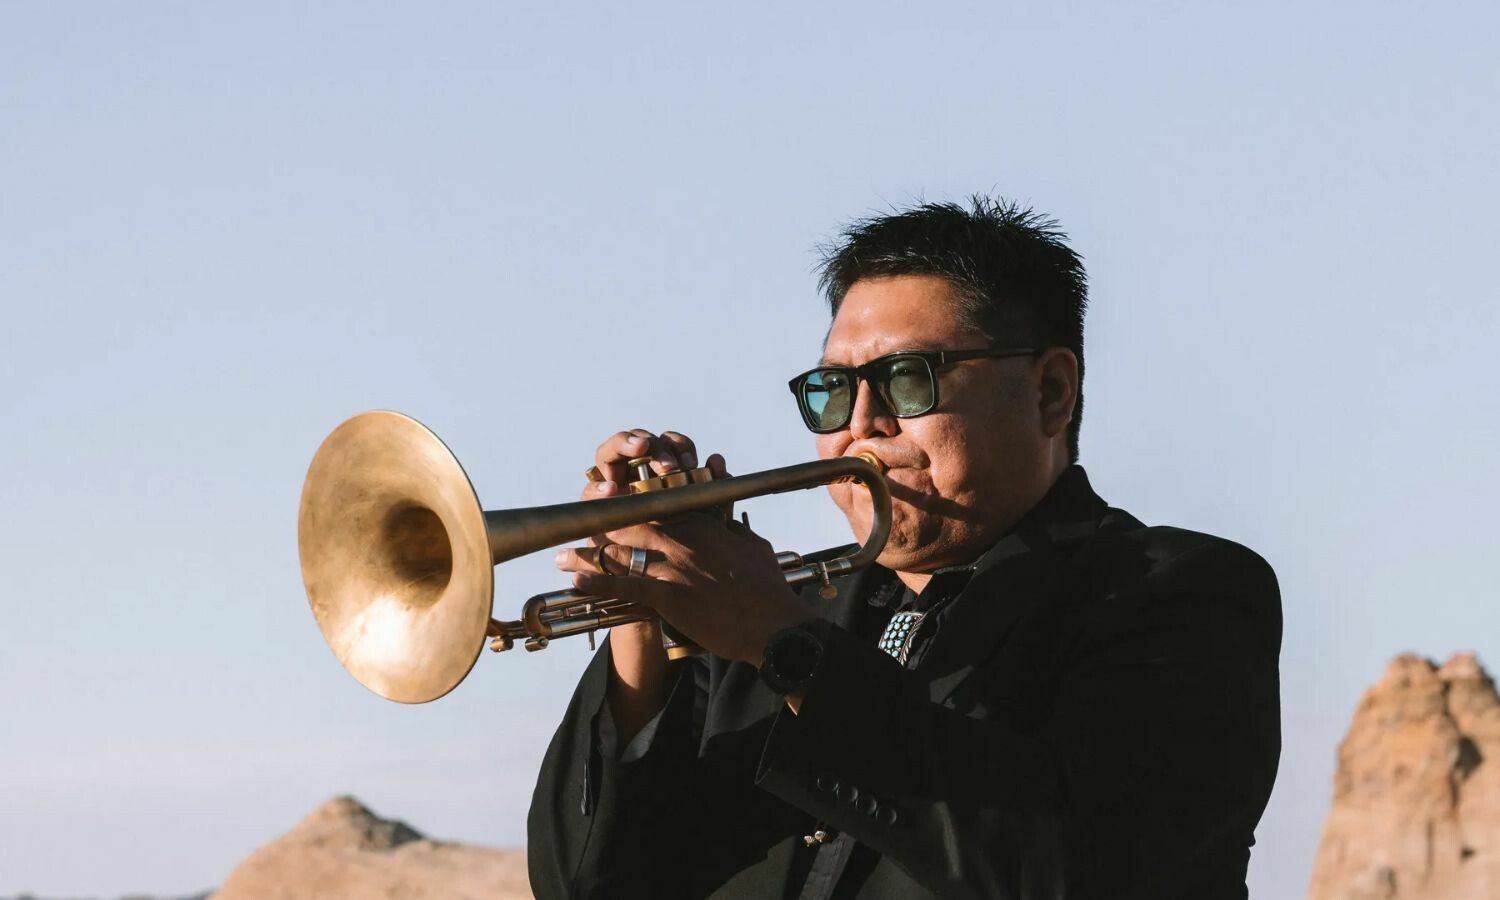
[(1015, 279)]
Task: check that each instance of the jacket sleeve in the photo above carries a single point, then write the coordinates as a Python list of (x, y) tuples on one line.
[(600, 826), (1152, 767)]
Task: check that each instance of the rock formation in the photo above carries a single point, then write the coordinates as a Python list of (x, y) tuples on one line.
[(342, 850), (1416, 799)]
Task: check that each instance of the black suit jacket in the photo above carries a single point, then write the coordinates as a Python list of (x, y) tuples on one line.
[(1095, 715)]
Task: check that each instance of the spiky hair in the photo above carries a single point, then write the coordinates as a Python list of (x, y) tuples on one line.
[(1015, 279)]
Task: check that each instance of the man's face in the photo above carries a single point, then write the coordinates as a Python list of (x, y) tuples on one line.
[(965, 472)]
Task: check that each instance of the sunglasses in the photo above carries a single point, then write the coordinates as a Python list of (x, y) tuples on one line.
[(905, 381)]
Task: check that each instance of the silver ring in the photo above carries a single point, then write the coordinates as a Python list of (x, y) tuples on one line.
[(637, 562)]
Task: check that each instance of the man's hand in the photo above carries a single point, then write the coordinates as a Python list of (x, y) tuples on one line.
[(718, 583), (638, 664)]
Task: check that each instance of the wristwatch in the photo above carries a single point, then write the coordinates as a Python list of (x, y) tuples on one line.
[(791, 657)]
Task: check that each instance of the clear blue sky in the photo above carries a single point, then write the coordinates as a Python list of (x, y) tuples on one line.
[(224, 229)]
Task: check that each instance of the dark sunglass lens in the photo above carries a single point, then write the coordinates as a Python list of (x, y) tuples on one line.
[(827, 399), (907, 385)]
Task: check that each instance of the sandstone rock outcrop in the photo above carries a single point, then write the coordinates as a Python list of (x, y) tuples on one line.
[(342, 850), (1416, 799)]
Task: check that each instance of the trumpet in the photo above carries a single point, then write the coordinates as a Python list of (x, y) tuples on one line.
[(398, 555)]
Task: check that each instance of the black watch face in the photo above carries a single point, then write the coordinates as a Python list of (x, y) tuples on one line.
[(791, 659), (796, 659)]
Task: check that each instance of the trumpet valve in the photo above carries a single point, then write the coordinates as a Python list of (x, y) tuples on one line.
[(827, 591), (534, 644), (645, 481), (641, 466)]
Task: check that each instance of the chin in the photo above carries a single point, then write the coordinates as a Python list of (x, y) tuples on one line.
[(902, 559), (908, 550), (857, 514), (907, 545)]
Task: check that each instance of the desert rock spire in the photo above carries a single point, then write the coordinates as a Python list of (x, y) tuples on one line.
[(1416, 799)]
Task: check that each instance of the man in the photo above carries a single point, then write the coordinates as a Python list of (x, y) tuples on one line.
[(1031, 695)]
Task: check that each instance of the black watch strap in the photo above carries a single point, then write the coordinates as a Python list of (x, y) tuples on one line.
[(791, 658)]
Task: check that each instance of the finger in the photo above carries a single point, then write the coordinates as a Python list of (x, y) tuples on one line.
[(717, 466), (578, 559), (683, 450), (598, 490), (629, 536), (660, 547), (662, 454), (616, 559), (645, 591), (719, 469), (619, 449)]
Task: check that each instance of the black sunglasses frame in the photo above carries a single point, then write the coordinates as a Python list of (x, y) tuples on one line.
[(932, 359)]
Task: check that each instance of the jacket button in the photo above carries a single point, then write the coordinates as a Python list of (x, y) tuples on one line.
[(886, 816), (828, 784), (847, 793), (866, 804)]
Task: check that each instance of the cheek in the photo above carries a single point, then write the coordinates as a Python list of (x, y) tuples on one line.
[(945, 446), (841, 495), (833, 445), (967, 466), (976, 466)]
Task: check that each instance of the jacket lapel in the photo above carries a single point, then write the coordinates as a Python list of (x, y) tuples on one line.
[(1009, 581)]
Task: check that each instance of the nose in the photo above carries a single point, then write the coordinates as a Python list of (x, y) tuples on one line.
[(870, 418)]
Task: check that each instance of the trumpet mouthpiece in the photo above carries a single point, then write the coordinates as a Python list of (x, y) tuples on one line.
[(873, 460)]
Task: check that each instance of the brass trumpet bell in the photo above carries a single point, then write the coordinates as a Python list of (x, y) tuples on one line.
[(395, 557)]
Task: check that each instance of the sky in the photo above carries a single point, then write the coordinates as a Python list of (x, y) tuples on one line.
[(225, 228)]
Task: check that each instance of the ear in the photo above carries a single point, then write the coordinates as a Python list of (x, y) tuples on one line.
[(1057, 389)]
